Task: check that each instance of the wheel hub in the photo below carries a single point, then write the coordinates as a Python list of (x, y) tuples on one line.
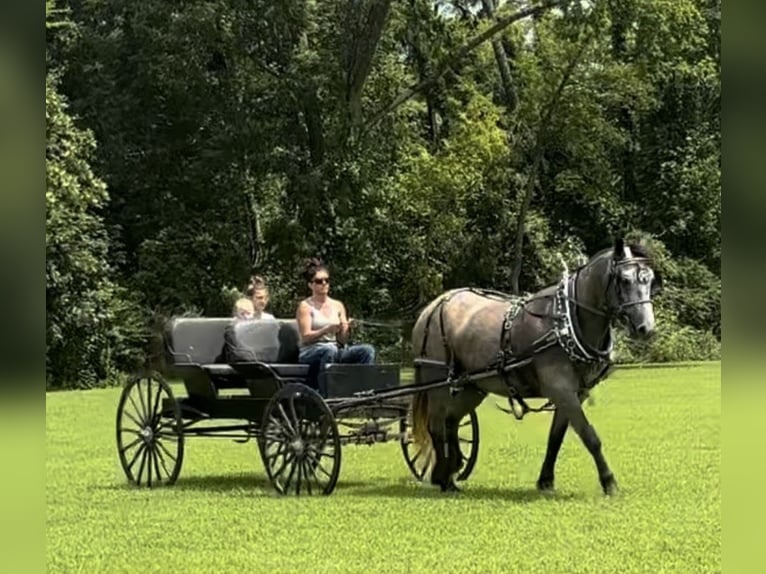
[(147, 434), (298, 446)]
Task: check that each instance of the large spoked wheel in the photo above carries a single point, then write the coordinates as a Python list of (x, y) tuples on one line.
[(150, 438), (299, 442), (419, 462)]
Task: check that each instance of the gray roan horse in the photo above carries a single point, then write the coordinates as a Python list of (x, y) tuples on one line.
[(554, 344)]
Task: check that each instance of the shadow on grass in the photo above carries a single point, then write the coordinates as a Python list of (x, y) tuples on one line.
[(241, 482), (223, 483), (409, 489)]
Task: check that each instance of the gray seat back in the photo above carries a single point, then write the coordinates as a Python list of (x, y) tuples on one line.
[(204, 340), (250, 341), (195, 339)]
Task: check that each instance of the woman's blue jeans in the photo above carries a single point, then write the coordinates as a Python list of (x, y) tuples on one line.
[(319, 355)]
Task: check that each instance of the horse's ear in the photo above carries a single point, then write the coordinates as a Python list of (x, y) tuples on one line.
[(656, 284), (619, 248)]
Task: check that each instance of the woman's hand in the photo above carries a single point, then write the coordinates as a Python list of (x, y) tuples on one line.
[(331, 329)]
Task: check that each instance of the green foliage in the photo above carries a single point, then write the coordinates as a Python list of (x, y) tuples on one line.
[(90, 321), (239, 137)]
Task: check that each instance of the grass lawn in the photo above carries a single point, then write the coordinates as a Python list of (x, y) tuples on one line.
[(660, 430)]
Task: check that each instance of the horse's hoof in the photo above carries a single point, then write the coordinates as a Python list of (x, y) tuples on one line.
[(609, 484), (545, 484)]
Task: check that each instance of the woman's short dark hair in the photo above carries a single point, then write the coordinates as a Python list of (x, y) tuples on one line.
[(312, 266)]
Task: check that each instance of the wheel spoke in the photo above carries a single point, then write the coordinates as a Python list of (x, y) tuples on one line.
[(305, 467), (144, 408), (167, 452), (136, 410), (297, 421), (285, 461), (157, 467), (162, 458), (141, 449), (298, 480), (318, 464), (287, 420), (149, 451), (141, 466), (155, 409), (281, 450), (134, 419), (131, 445), (149, 408), (290, 476)]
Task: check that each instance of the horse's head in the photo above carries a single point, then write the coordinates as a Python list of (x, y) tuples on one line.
[(632, 284)]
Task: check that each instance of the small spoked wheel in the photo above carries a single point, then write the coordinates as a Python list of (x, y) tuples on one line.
[(420, 462), (150, 439), (299, 442)]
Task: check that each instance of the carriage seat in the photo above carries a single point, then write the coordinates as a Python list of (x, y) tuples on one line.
[(219, 344)]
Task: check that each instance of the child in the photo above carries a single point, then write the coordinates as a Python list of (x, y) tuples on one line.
[(243, 309)]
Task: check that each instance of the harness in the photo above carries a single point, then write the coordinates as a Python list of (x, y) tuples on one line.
[(565, 333)]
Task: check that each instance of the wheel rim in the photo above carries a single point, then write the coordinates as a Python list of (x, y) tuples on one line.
[(419, 462), (149, 432), (468, 438), (300, 445)]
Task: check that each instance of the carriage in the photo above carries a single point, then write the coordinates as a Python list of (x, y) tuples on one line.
[(554, 344), (259, 392)]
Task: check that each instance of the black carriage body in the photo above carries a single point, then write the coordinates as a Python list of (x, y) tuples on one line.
[(212, 355), (247, 372)]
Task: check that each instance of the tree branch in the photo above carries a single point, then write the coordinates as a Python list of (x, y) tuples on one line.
[(500, 25), (537, 158)]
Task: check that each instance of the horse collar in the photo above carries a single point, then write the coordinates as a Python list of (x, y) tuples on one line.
[(565, 325)]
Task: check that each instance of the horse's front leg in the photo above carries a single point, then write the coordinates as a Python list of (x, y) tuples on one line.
[(573, 408)]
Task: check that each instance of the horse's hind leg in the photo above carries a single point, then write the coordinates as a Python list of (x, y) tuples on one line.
[(559, 426), (440, 475), (454, 456)]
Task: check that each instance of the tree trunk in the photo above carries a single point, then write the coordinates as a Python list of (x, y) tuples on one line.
[(366, 27), (537, 157), (501, 57)]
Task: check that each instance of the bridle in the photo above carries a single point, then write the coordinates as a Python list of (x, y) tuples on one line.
[(566, 329), (611, 311)]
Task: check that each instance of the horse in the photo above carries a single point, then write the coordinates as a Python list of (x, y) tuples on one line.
[(555, 344)]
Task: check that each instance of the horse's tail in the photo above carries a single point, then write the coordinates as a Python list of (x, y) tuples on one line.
[(420, 435)]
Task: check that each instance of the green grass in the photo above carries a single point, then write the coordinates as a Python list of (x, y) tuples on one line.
[(660, 430)]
